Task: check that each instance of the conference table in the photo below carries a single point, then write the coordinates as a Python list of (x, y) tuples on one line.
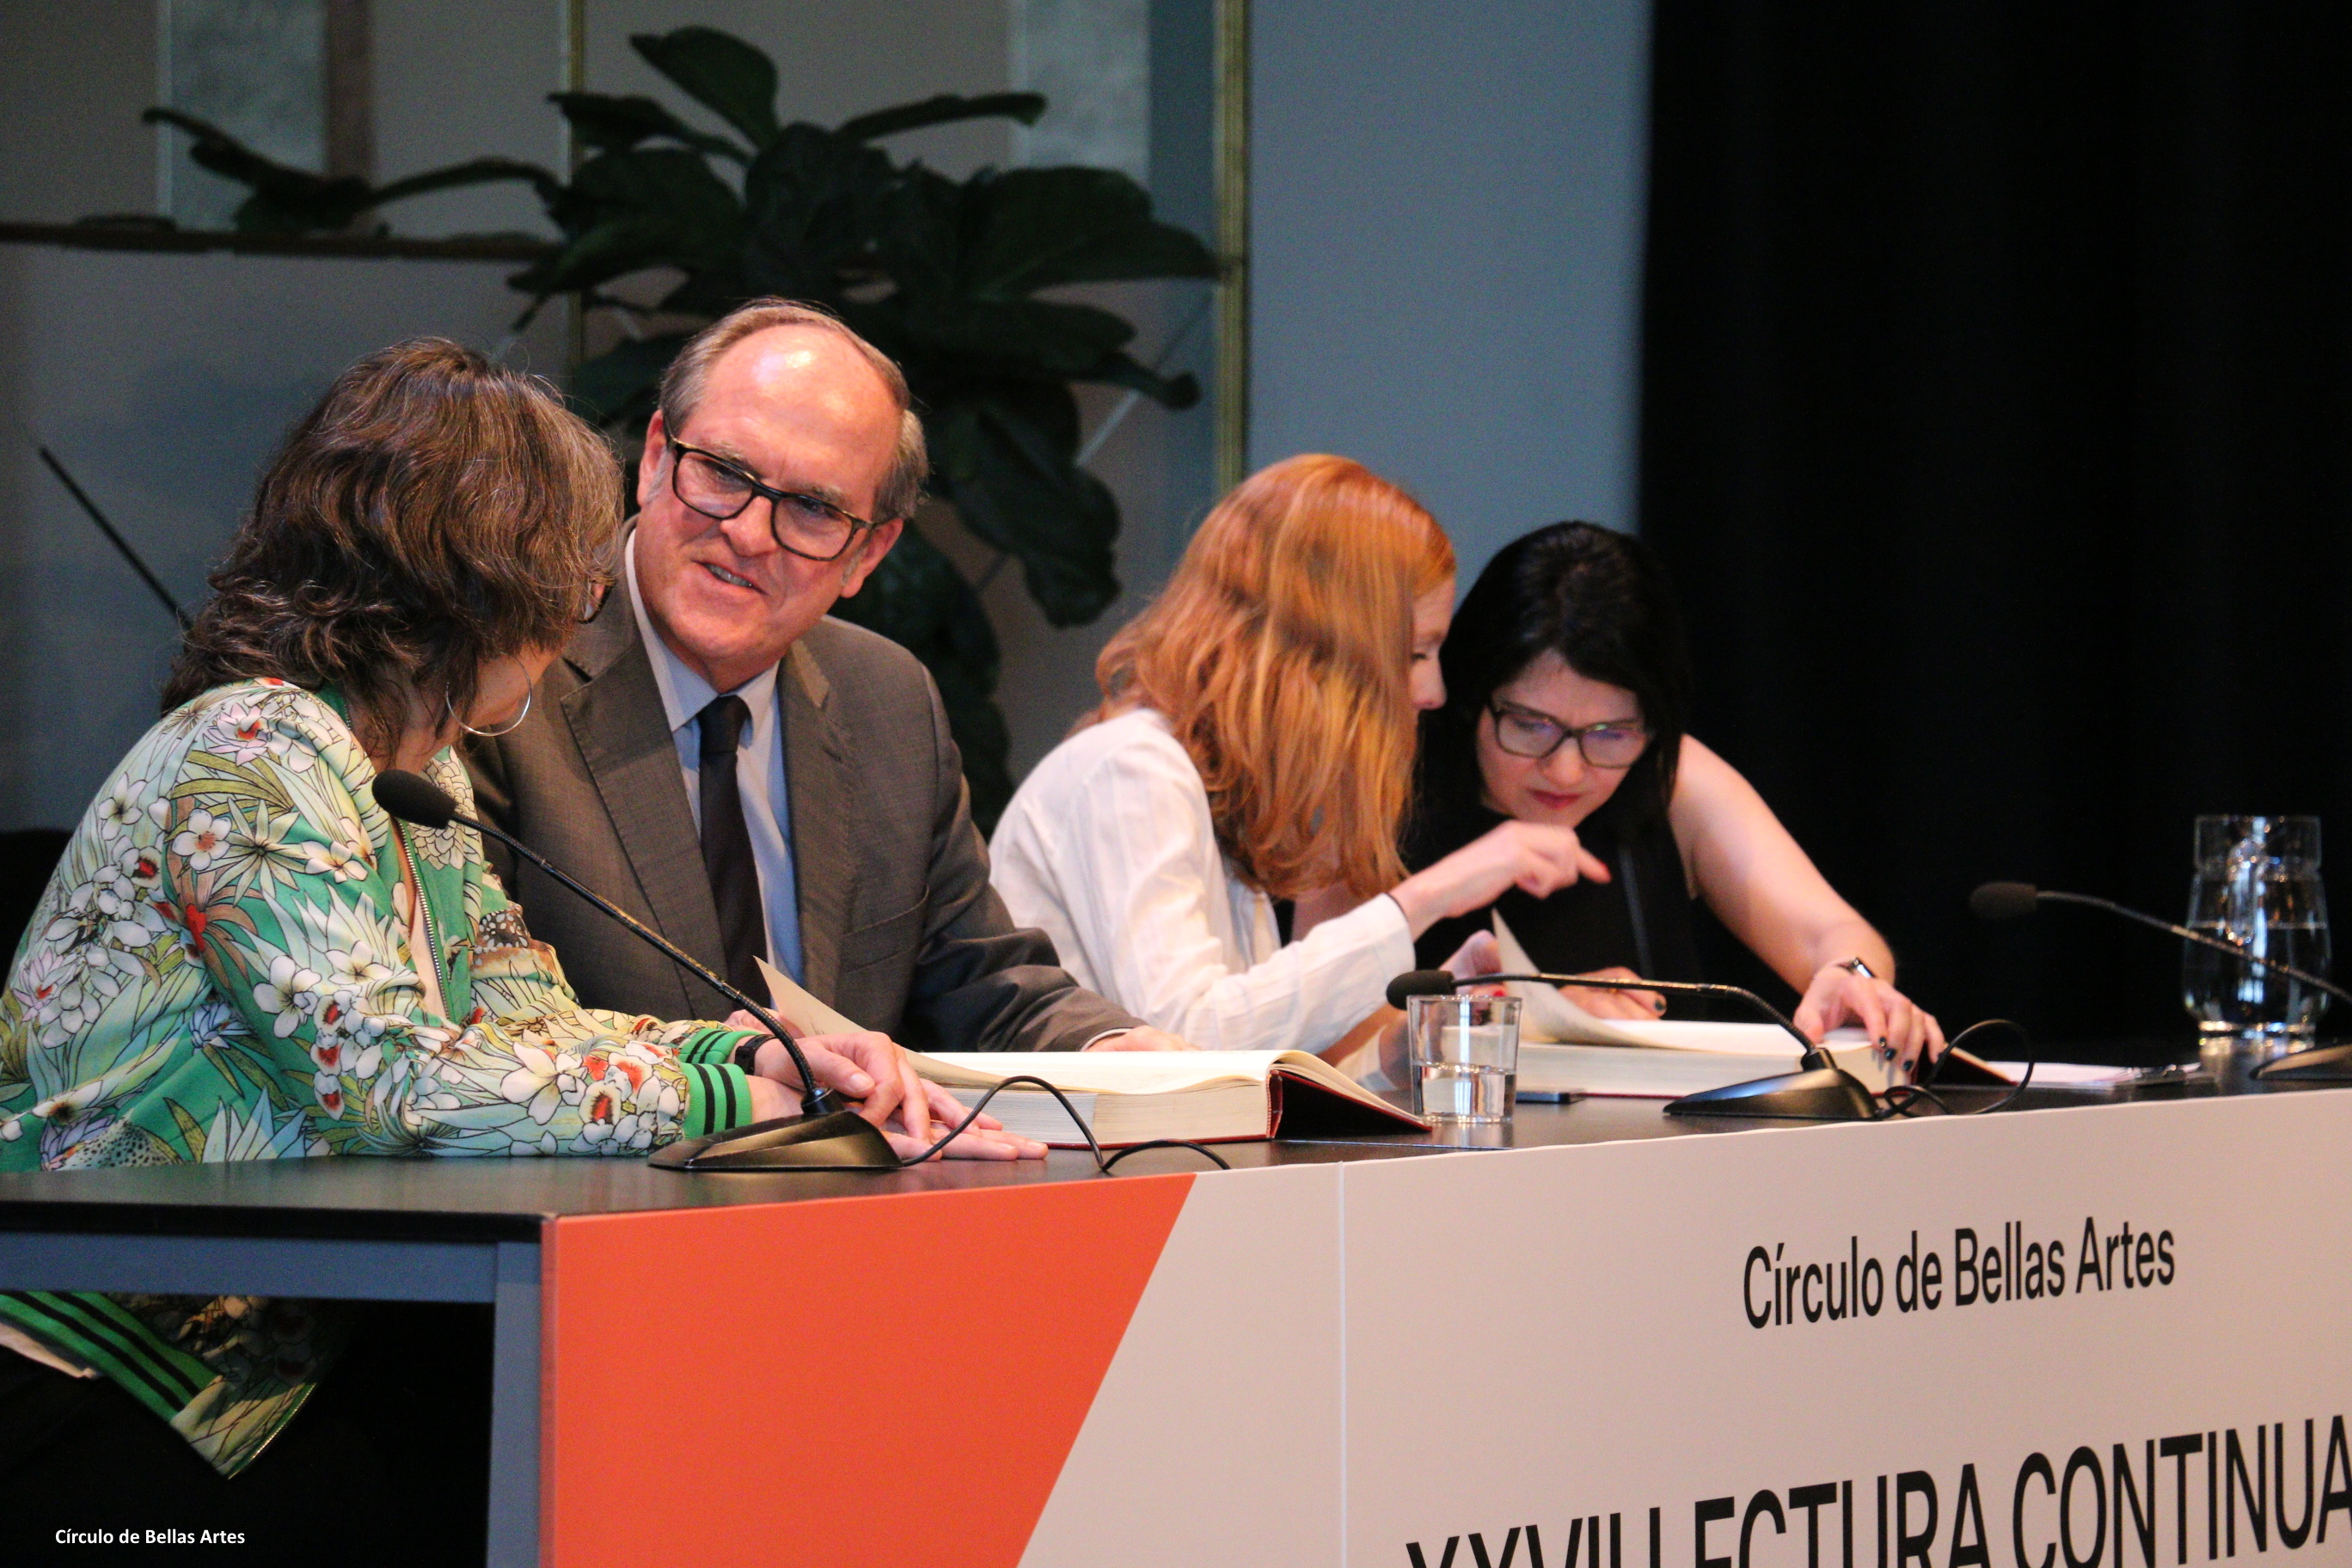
[(1945, 1340)]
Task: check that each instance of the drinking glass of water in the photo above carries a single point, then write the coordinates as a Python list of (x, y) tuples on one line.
[(2258, 885), (1466, 1057)]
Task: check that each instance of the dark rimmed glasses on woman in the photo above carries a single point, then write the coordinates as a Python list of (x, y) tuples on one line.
[(804, 525), (1611, 744)]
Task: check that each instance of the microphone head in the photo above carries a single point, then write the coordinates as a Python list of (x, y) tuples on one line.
[(414, 798), (1419, 983), (2003, 900)]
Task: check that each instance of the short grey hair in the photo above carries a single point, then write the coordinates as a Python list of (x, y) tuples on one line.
[(682, 387)]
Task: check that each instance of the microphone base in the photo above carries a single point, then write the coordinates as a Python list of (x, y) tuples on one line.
[(841, 1141), (2312, 1064), (1821, 1094)]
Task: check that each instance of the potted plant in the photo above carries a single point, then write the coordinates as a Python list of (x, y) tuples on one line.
[(943, 274)]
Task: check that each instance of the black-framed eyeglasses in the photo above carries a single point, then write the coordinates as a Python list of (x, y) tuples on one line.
[(807, 526), (1611, 744)]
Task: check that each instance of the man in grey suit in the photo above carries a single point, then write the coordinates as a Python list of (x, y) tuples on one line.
[(749, 777)]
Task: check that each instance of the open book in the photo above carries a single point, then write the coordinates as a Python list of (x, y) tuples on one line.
[(1672, 1071), (1546, 1015), (1136, 1096), (1563, 1048)]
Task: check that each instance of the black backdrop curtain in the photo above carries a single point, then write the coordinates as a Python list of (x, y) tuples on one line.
[(1997, 366)]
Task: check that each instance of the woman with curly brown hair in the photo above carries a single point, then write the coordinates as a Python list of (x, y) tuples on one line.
[(242, 957), (1256, 742)]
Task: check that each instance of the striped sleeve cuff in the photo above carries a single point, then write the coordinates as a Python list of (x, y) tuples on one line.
[(713, 1045), (99, 1332), (718, 1097)]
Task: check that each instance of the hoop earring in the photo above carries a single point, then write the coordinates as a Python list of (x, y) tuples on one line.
[(516, 723)]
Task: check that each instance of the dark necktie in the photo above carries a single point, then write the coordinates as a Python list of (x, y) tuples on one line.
[(727, 846)]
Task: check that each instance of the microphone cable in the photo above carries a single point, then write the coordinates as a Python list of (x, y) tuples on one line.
[(411, 797), (1898, 1100), (2013, 900), (1902, 1098), (1102, 1166)]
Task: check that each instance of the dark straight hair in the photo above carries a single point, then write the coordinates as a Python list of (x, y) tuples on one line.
[(1598, 600)]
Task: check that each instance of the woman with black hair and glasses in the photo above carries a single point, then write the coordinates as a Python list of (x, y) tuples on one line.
[(1568, 689)]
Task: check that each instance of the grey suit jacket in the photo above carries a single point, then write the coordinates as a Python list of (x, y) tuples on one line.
[(899, 928)]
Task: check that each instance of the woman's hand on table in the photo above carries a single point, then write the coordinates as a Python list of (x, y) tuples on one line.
[(1904, 1033), (870, 1066)]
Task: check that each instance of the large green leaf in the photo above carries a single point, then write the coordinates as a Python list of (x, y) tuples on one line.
[(1033, 337), (671, 182), (288, 200), (709, 294), (810, 202), (474, 171), (721, 72), (919, 597), (918, 600), (624, 211), (937, 273), (918, 231), (609, 124), (1180, 391), (614, 248), (285, 200), (1046, 406), (1036, 227), (943, 108), (1020, 491), (621, 384)]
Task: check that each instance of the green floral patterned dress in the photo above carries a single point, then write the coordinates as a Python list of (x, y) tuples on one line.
[(222, 969)]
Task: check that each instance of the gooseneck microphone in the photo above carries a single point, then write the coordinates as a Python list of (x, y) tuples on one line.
[(2015, 900), (825, 1136), (1438, 982), (1820, 1091)]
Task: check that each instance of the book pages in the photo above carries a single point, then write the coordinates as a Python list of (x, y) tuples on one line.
[(801, 1012), (1103, 1072), (1547, 1016)]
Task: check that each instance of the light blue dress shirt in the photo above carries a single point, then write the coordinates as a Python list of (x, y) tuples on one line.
[(759, 772)]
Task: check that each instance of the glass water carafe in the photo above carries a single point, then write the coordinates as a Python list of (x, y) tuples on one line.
[(2258, 885)]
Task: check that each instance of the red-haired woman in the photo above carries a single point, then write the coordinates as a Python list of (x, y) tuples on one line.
[(1256, 742)]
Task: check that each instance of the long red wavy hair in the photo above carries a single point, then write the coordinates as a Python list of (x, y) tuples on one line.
[(1280, 654)]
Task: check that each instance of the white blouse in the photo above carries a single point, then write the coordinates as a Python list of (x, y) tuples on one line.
[(1109, 847)]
